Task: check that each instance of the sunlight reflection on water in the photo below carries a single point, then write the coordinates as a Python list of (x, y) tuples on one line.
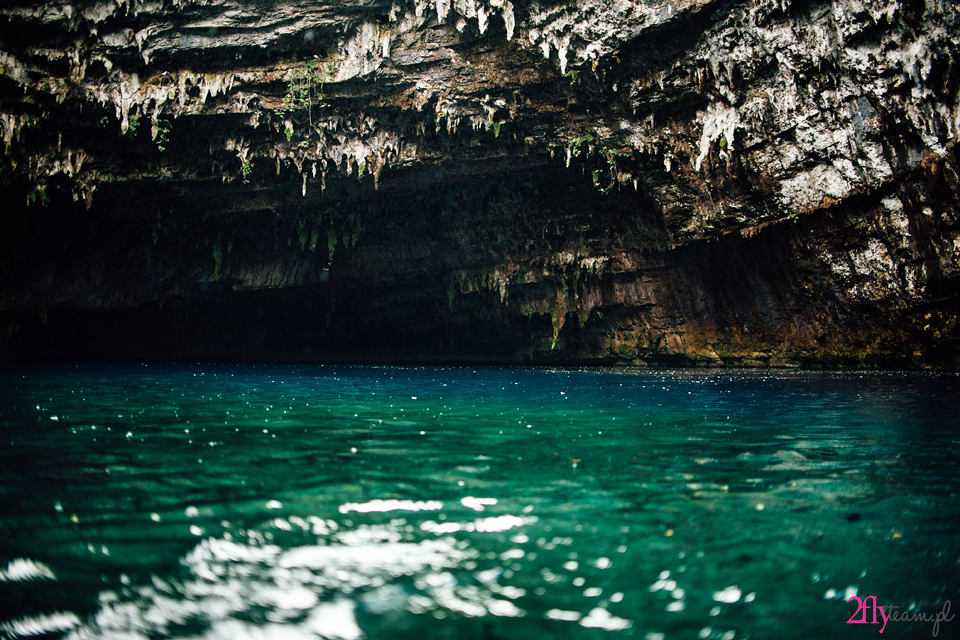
[(255, 589)]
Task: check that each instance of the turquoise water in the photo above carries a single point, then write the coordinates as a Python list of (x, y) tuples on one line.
[(377, 502)]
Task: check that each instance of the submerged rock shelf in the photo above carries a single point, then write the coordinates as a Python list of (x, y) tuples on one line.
[(685, 183)]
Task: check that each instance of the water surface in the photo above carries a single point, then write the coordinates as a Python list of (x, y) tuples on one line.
[(378, 502)]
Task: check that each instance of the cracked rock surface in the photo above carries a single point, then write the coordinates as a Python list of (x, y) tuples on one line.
[(690, 182)]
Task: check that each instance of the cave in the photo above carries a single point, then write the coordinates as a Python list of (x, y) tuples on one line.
[(680, 184)]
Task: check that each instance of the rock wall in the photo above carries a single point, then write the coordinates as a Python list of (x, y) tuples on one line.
[(709, 183)]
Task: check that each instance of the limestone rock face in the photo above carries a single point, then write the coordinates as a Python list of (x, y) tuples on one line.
[(690, 182)]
